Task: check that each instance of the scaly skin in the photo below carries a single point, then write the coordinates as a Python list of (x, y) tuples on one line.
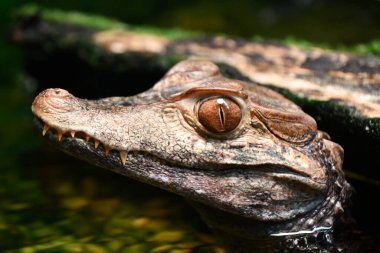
[(251, 161)]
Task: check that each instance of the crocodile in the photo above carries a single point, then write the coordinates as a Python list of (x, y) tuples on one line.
[(251, 162)]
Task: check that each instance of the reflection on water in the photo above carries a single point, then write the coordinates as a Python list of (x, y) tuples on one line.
[(77, 208), (303, 232)]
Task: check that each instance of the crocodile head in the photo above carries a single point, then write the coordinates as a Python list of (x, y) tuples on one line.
[(235, 147)]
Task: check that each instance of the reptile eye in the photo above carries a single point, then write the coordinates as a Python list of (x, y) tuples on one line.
[(219, 114)]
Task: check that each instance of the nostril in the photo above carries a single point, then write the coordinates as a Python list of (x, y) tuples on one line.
[(56, 92)]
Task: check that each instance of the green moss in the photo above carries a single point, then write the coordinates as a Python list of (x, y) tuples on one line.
[(372, 47), (174, 33), (305, 44), (102, 23), (98, 22), (71, 17), (335, 112)]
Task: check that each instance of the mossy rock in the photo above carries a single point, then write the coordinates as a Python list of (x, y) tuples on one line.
[(93, 56)]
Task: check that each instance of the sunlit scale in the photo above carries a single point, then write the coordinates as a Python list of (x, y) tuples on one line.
[(123, 154)]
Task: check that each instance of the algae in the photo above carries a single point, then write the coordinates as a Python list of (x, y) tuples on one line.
[(102, 23)]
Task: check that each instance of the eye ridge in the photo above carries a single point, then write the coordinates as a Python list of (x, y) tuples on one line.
[(219, 115)]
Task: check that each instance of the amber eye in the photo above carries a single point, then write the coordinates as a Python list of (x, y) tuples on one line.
[(219, 114)]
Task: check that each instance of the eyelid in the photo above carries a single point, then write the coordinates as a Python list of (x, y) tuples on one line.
[(208, 92), (295, 127)]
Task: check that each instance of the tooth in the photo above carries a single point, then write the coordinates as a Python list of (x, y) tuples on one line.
[(72, 134), (96, 142), (135, 152), (339, 208), (123, 157), (46, 128), (107, 149), (59, 133), (87, 138)]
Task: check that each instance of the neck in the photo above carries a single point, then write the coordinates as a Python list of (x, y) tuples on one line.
[(313, 230)]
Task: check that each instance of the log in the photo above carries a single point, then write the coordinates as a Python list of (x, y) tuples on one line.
[(340, 90)]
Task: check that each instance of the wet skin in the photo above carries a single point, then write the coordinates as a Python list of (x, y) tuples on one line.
[(232, 148)]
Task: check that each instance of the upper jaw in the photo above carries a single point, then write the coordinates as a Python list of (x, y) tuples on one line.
[(148, 127), (249, 190)]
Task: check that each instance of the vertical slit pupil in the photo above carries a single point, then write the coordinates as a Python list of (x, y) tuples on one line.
[(221, 115)]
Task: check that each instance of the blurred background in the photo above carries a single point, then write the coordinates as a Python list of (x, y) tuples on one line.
[(42, 201), (332, 22)]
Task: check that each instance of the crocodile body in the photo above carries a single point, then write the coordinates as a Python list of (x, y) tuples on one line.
[(254, 164)]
